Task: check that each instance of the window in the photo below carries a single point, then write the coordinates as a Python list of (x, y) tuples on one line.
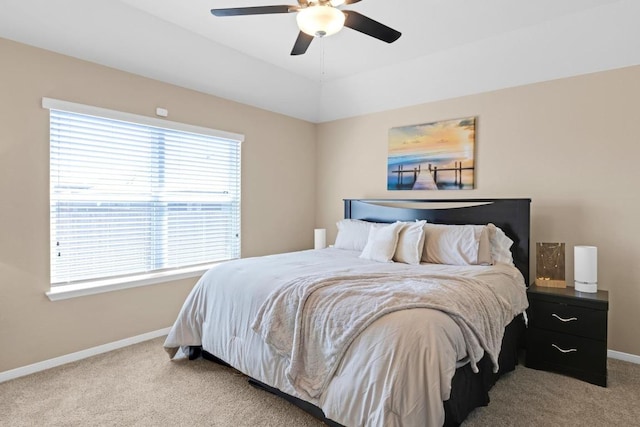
[(135, 195)]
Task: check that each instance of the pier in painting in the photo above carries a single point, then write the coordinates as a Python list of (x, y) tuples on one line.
[(417, 179)]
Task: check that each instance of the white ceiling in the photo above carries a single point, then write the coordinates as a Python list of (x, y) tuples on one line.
[(448, 48)]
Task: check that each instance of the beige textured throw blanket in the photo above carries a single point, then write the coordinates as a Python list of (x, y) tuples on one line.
[(312, 320)]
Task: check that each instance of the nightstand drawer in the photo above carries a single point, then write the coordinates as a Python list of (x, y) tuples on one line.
[(582, 357), (568, 319)]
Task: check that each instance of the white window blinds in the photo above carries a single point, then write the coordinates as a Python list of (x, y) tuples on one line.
[(130, 198)]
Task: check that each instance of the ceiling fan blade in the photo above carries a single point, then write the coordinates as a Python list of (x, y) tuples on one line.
[(302, 43), (368, 26), (256, 10), (351, 1)]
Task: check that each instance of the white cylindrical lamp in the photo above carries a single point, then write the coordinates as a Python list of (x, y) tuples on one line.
[(585, 273), (319, 238)]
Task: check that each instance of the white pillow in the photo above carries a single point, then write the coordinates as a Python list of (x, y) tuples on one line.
[(485, 256), (382, 242), (352, 234), (500, 245), (410, 243), (452, 244)]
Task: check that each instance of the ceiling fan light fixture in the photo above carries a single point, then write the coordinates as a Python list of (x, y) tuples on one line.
[(320, 20)]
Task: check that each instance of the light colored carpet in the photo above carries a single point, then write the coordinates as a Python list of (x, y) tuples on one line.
[(139, 386), (527, 397)]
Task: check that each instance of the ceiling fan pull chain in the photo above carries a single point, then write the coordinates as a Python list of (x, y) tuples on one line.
[(322, 62)]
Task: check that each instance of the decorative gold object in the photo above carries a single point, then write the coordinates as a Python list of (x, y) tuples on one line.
[(550, 271)]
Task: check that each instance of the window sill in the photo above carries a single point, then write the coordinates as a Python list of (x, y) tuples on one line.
[(61, 292)]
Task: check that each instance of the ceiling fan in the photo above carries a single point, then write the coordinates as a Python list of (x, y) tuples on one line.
[(319, 18)]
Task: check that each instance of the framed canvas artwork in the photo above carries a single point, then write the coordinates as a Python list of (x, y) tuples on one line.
[(432, 156)]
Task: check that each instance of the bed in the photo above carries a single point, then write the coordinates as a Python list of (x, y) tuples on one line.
[(363, 356)]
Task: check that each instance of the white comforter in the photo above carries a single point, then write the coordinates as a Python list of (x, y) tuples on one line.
[(397, 372)]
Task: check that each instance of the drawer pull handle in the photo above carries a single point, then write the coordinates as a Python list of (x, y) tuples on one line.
[(564, 320), (564, 351)]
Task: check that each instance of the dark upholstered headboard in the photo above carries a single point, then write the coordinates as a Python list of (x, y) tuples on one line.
[(511, 215)]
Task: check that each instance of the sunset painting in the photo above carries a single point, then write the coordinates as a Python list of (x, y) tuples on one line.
[(432, 156)]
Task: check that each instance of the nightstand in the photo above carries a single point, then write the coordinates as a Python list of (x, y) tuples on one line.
[(567, 332)]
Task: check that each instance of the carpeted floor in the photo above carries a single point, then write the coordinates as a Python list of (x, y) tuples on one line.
[(139, 386), (527, 397)]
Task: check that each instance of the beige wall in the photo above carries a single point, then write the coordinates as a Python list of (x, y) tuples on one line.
[(570, 145), (34, 329)]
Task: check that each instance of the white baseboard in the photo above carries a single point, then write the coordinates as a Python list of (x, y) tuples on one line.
[(623, 356), (83, 354)]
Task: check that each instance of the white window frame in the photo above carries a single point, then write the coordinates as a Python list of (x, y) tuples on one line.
[(60, 292)]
